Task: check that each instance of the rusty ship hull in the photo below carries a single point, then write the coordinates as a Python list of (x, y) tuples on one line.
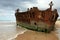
[(38, 20)]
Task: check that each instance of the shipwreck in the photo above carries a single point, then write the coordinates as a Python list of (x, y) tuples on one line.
[(38, 20)]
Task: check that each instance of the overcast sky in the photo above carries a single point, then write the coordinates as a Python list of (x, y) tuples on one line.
[(8, 7)]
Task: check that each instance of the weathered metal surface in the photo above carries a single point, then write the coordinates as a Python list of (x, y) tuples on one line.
[(38, 20)]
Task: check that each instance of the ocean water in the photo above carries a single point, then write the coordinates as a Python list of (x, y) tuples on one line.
[(9, 30)]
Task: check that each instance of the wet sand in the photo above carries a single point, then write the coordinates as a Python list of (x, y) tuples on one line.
[(33, 35)]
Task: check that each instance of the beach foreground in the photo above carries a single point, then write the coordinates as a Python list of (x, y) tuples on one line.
[(9, 31), (33, 35)]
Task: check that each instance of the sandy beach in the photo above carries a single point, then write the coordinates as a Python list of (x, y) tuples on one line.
[(33, 35), (9, 31)]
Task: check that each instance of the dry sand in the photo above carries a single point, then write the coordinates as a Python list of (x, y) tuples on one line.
[(58, 24), (33, 35)]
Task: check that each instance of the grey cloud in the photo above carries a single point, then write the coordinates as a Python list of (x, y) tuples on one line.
[(11, 5)]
